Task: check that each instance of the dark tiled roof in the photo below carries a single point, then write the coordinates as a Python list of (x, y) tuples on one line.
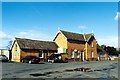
[(36, 44), (76, 36), (87, 36)]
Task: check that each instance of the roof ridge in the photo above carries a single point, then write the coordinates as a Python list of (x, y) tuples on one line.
[(76, 32), (34, 39), (84, 36), (70, 32), (89, 33)]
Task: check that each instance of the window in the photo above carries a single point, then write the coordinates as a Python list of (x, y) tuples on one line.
[(72, 53), (66, 50), (14, 54), (16, 47), (41, 54), (91, 44), (77, 54), (92, 54), (18, 54)]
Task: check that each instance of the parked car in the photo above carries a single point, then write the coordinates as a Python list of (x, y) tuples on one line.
[(56, 58), (3, 58), (30, 59)]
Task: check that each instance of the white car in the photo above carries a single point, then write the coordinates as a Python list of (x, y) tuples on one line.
[(3, 58), (52, 61)]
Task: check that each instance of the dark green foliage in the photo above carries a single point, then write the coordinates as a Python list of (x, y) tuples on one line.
[(111, 50)]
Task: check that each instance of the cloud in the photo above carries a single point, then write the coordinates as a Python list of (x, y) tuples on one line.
[(4, 39), (30, 34), (108, 41), (82, 27), (34, 35), (117, 17), (3, 35)]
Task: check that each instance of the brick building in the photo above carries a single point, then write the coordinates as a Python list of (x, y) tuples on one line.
[(75, 46)]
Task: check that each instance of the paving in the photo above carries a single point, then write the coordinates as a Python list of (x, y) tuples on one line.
[(91, 69)]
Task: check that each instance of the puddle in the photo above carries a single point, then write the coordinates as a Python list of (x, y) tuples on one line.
[(97, 70), (69, 70), (80, 69), (105, 69), (43, 74), (38, 74)]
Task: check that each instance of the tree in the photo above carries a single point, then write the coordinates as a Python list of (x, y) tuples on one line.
[(9, 45), (103, 46), (112, 51)]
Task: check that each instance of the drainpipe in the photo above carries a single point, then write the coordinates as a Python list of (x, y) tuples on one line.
[(83, 56), (47, 56)]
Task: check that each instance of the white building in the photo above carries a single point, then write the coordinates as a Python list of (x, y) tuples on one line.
[(4, 52)]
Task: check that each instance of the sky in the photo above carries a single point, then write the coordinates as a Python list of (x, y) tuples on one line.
[(42, 20), (60, 0)]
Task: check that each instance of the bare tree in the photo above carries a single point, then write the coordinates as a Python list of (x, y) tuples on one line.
[(9, 45)]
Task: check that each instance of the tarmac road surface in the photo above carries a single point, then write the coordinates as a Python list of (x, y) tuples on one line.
[(91, 69)]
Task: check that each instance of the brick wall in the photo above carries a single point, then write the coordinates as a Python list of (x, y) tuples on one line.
[(75, 45)]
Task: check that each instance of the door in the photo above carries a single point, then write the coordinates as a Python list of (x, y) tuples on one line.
[(41, 54), (82, 56)]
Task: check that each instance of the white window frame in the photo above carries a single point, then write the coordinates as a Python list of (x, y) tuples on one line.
[(78, 52), (92, 54), (73, 56), (83, 57)]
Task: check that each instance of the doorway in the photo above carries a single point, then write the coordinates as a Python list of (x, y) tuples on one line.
[(82, 56)]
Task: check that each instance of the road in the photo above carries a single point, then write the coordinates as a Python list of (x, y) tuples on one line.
[(97, 69)]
